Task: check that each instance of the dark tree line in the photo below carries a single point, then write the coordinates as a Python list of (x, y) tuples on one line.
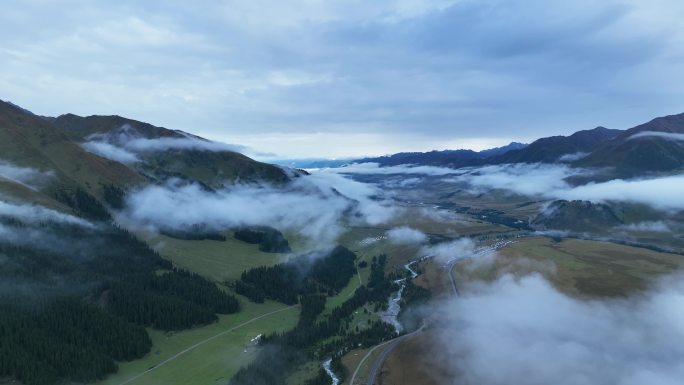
[(114, 196), (285, 282), (74, 300), (412, 299), (288, 350), (322, 377), (64, 339), (269, 239), (83, 203), (196, 232)]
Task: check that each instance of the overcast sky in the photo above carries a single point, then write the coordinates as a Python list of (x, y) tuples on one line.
[(307, 78)]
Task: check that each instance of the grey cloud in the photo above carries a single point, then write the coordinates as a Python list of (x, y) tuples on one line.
[(457, 69), (162, 144), (503, 331), (650, 226), (444, 252), (375, 169), (662, 193), (405, 235), (126, 144), (316, 206), (572, 157), (658, 134), (26, 176), (31, 213), (110, 151), (549, 181), (525, 179)]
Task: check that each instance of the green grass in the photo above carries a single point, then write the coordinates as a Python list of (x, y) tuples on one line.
[(343, 295), (216, 260), (304, 373), (212, 362), (593, 268)]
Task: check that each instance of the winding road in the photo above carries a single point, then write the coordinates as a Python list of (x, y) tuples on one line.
[(175, 356), (389, 346)]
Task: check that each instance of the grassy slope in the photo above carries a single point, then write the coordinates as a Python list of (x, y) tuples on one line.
[(215, 360), (582, 268), (216, 260), (220, 358), (209, 167), (596, 268), (29, 141)]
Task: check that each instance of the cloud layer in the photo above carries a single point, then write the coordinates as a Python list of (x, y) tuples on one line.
[(315, 206), (658, 134), (26, 176), (406, 236), (375, 169), (126, 144), (412, 73), (527, 332), (29, 213), (450, 251)]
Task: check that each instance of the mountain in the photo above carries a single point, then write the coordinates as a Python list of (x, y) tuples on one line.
[(29, 143), (577, 216), (165, 153), (555, 148), (446, 158), (78, 291), (652, 147), (545, 150), (502, 150)]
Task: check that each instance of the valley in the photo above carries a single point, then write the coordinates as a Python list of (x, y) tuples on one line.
[(175, 260)]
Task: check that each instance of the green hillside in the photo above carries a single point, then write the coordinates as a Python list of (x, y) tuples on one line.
[(213, 168), (27, 140)]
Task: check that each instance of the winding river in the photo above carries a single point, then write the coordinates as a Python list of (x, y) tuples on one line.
[(327, 367), (390, 315)]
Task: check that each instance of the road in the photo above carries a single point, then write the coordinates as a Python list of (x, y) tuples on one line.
[(452, 277), (389, 346), (202, 343), (377, 364), (358, 367)]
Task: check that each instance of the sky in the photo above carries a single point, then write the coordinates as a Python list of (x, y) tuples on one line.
[(335, 79)]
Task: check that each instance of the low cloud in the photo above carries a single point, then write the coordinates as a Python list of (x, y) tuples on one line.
[(572, 157), (406, 236), (372, 207), (522, 178), (127, 144), (650, 226), (26, 176), (188, 143), (316, 206), (659, 134), (449, 251), (505, 332), (28, 213), (111, 151), (442, 216), (662, 193), (375, 169), (550, 181)]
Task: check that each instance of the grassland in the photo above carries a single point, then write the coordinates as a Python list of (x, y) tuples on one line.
[(584, 267), (216, 260), (579, 268), (212, 362)]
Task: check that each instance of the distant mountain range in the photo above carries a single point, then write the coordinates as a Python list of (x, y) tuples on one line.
[(653, 147)]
